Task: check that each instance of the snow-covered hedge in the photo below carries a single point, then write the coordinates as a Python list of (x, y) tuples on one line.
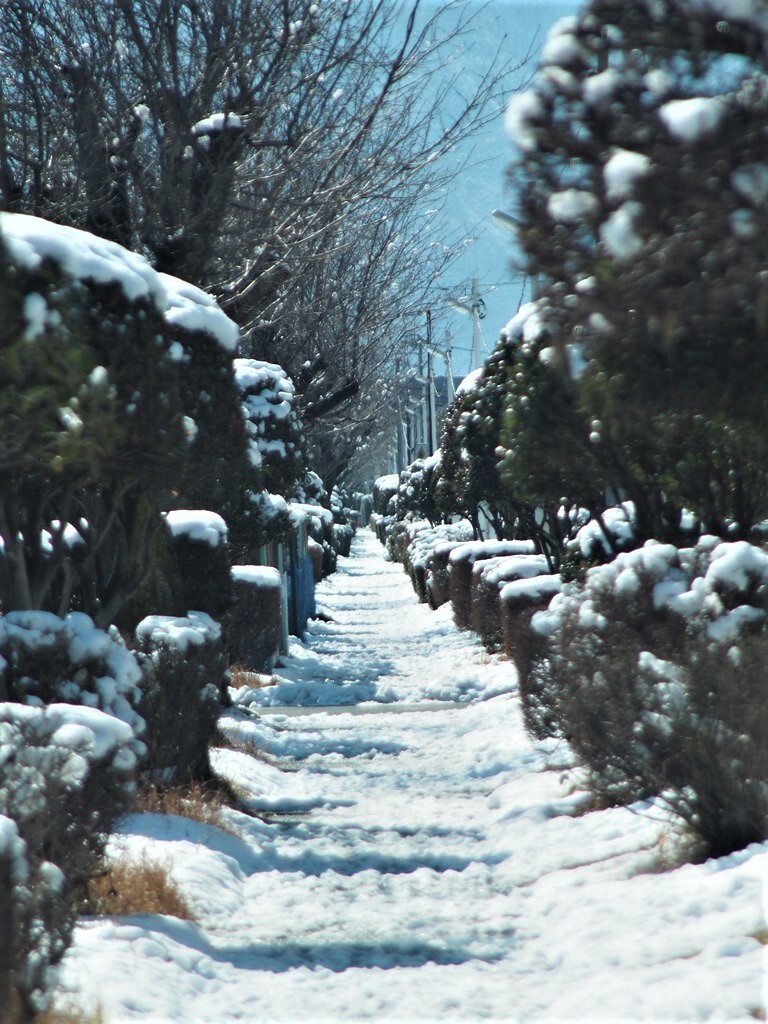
[(488, 578), (200, 562), (384, 490), (275, 439), (519, 601), (319, 524), (184, 688), (421, 540), (66, 775), (253, 624), (654, 668), (48, 660), (461, 563)]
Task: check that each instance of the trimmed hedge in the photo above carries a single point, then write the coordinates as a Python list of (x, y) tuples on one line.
[(252, 626), (488, 577), (654, 670), (185, 682), (66, 776), (461, 562)]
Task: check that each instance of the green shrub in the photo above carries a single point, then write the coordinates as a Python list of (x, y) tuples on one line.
[(252, 626), (488, 578), (462, 561), (66, 775), (184, 688), (655, 674)]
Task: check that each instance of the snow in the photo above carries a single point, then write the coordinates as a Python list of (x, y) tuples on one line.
[(481, 549), (688, 120), (80, 254), (90, 730), (618, 232), (561, 46), (91, 653), (13, 850), (198, 525), (751, 182), (523, 109), (216, 123), (601, 88), (417, 858), (388, 482), (300, 511), (268, 399), (571, 205), (179, 633), (527, 324), (262, 575), (84, 256), (618, 521), (470, 382), (192, 309), (538, 588), (622, 170)]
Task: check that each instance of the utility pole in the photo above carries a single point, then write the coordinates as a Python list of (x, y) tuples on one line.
[(431, 387), (478, 312)]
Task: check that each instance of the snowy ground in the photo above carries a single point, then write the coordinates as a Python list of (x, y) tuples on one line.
[(422, 863)]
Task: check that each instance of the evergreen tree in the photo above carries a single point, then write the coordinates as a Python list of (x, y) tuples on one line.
[(642, 207)]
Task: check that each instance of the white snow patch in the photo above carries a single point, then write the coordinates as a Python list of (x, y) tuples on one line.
[(618, 232), (571, 205), (193, 309), (197, 525), (81, 255), (622, 170), (691, 119), (262, 575)]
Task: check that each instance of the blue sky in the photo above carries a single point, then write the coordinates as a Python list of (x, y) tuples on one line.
[(518, 26)]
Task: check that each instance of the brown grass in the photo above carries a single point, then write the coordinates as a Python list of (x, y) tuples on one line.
[(241, 676), (199, 801), (70, 1015), (127, 886)]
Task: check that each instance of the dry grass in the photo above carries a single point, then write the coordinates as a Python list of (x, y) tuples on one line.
[(241, 676), (70, 1015), (136, 887), (199, 801)]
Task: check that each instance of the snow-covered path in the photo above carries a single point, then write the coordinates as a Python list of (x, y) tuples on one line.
[(424, 862)]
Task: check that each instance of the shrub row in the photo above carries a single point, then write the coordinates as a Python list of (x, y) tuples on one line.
[(651, 666)]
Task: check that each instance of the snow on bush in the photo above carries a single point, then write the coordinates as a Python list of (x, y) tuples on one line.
[(200, 565), (185, 685), (519, 601), (461, 563), (81, 255), (49, 660), (66, 775), (654, 669), (488, 578), (192, 309), (419, 540), (602, 537), (275, 440), (253, 625), (87, 257), (197, 525), (384, 489), (640, 180)]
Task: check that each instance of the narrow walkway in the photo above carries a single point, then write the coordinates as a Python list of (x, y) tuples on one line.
[(409, 866)]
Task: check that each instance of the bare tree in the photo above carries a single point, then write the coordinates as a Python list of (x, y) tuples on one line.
[(278, 152)]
